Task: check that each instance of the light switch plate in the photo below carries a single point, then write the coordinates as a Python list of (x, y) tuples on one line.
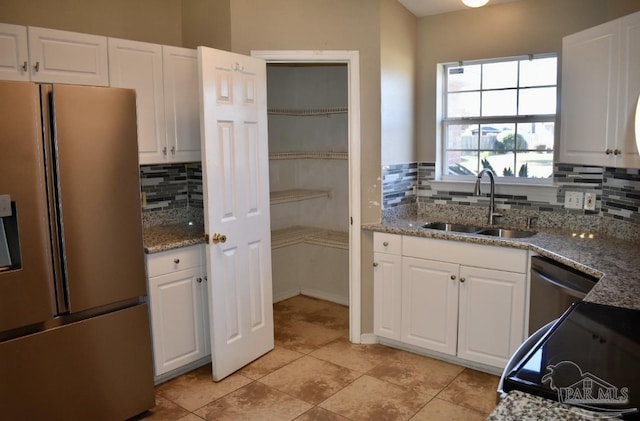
[(573, 199), (5, 205)]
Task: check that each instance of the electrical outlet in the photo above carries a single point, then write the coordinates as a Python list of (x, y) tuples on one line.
[(590, 201), (573, 199)]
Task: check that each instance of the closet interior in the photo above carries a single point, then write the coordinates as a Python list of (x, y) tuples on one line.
[(309, 180)]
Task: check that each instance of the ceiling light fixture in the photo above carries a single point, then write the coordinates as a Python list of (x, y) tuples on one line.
[(475, 3)]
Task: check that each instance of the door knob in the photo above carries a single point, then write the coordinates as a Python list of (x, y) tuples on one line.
[(218, 238), (453, 277), (198, 280), (462, 279)]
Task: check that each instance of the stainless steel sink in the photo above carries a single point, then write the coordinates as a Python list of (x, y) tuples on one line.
[(445, 226), (506, 233), (472, 229)]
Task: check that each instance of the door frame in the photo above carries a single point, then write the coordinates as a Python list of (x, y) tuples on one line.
[(352, 60)]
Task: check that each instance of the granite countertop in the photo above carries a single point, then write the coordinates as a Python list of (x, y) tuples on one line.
[(170, 236), (615, 262), (520, 406)]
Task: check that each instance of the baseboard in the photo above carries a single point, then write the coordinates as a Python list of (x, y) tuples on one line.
[(334, 298), (368, 339), (285, 295)]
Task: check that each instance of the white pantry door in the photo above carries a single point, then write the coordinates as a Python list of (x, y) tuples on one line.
[(236, 197)]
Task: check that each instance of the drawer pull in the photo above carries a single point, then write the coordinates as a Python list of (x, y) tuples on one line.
[(453, 277), (176, 261), (462, 280), (386, 244), (375, 264)]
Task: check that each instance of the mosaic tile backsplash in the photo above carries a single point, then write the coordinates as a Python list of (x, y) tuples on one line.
[(172, 186), (617, 191)]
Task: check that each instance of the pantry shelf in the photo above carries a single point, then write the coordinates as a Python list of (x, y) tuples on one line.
[(308, 111), (275, 156), (296, 195), (309, 235)]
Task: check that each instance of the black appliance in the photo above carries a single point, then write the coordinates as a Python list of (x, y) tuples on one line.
[(590, 358)]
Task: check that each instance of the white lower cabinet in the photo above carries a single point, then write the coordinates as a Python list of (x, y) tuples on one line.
[(456, 298), (179, 307), (490, 314), (429, 304)]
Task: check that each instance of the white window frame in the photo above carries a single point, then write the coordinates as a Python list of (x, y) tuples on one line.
[(444, 122)]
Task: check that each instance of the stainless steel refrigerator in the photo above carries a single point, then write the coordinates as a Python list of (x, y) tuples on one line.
[(74, 327)]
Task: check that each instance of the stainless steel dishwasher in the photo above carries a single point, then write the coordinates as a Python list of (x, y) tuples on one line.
[(554, 287)]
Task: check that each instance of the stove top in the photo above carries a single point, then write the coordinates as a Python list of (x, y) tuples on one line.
[(590, 359)]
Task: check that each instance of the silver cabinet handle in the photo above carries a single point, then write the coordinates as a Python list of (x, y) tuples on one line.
[(164, 151), (375, 264), (24, 66), (173, 150), (386, 244), (453, 277), (36, 67), (176, 261)]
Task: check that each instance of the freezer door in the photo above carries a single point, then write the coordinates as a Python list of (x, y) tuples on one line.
[(97, 369), (26, 293), (98, 194)]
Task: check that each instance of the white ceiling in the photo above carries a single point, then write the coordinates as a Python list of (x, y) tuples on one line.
[(433, 7)]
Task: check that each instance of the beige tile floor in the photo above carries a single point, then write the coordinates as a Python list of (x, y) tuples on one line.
[(315, 373)]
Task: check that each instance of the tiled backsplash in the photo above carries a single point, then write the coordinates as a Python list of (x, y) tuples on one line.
[(172, 186), (617, 190)]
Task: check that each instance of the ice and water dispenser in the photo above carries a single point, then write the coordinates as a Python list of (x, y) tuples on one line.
[(9, 240)]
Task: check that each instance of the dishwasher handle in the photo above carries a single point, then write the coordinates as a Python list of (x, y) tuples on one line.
[(571, 291)]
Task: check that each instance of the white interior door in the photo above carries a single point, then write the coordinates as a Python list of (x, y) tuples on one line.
[(236, 197)]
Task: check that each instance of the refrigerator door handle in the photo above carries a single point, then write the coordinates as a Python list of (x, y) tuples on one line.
[(49, 129)]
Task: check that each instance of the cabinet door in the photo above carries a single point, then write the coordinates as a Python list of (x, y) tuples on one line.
[(177, 319), (430, 304), (387, 295), (67, 57), (138, 65), (491, 315), (629, 91), (589, 95), (181, 103), (13, 52)]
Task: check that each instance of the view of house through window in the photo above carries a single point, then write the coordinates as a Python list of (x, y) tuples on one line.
[(500, 114)]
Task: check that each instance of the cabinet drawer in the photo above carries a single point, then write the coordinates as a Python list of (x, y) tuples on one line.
[(387, 243), (174, 260), (483, 256)]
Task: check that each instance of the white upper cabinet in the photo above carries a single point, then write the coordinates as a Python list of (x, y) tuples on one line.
[(181, 103), (165, 79), (14, 52), (138, 65), (629, 90), (67, 57), (600, 90)]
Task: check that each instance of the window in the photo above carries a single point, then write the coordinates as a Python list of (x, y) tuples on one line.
[(500, 114)]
